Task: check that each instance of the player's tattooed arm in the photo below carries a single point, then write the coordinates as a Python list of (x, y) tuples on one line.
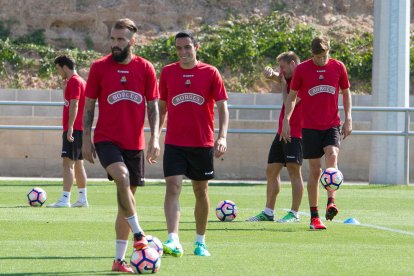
[(153, 150), (88, 116), (153, 117)]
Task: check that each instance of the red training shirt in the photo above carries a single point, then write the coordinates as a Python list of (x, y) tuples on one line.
[(74, 90), (121, 90), (295, 121), (190, 95), (318, 88)]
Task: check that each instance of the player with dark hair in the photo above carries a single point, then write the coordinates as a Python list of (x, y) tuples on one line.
[(317, 82), (283, 154), (189, 88), (122, 83), (74, 102)]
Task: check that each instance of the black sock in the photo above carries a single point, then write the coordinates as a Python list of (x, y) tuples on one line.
[(314, 212)]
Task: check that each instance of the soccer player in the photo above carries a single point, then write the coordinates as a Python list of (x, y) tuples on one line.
[(188, 90), (318, 82), (74, 101), (281, 153), (122, 83)]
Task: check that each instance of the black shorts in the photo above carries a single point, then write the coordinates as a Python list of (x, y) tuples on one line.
[(282, 152), (110, 153), (72, 150), (314, 141), (193, 162)]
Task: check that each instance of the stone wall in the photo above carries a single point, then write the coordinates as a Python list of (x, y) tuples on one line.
[(36, 153)]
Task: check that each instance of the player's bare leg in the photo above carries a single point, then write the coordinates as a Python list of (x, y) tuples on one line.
[(68, 179), (202, 206), (126, 201), (296, 180), (81, 178), (272, 190), (172, 214), (331, 161), (315, 169)]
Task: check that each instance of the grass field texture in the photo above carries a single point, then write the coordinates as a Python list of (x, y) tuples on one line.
[(43, 241)]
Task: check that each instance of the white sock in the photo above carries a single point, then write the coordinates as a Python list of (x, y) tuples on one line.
[(134, 224), (173, 236), (65, 197), (200, 238), (120, 249), (82, 194), (269, 212)]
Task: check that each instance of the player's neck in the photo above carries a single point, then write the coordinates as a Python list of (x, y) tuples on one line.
[(189, 65)]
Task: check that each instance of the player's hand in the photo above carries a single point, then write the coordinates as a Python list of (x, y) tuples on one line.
[(285, 134), (268, 72), (88, 150), (69, 135), (220, 147), (346, 128), (153, 150)]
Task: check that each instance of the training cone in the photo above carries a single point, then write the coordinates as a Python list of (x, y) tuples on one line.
[(351, 221)]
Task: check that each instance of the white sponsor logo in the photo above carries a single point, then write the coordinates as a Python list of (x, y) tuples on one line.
[(290, 156), (322, 89), (124, 95), (123, 71), (209, 173), (187, 97), (66, 103), (320, 71), (188, 76)]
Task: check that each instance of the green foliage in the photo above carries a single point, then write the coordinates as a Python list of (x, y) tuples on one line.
[(36, 37), (239, 47)]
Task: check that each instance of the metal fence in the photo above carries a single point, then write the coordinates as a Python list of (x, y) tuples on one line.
[(406, 133)]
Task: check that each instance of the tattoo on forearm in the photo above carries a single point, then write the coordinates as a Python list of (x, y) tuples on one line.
[(153, 116)]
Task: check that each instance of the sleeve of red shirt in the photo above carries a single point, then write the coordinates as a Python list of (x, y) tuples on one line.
[(151, 86), (163, 86), (296, 81), (93, 83), (343, 80), (74, 88), (219, 91)]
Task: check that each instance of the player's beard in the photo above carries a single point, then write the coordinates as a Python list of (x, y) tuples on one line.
[(120, 57)]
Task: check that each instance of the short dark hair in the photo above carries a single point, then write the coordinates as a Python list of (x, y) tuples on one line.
[(188, 34), (65, 60), (320, 44), (125, 23), (288, 57)]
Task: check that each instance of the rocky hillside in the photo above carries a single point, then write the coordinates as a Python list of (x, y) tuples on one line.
[(86, 23)]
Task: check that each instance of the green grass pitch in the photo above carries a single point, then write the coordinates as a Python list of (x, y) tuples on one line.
[(42, 241)]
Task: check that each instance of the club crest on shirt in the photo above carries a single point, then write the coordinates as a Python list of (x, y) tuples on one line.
[(321, 89), (187, 83), (123, 79), (321, 77), (187, 97), (124, 95), (66, 103)]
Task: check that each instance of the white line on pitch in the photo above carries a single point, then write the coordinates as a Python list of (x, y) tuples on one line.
[(363, 224)]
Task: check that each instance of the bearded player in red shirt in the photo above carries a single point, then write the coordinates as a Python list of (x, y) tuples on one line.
[(317, 82), (188, 90), (122, 83)]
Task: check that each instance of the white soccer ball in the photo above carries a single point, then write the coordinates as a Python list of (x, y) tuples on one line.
[(36, 197), (331, 179)]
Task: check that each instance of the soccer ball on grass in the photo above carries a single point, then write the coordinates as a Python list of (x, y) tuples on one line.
[(145, 261), (36, 197), (155, 243), (226, 210), (331, 179)]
